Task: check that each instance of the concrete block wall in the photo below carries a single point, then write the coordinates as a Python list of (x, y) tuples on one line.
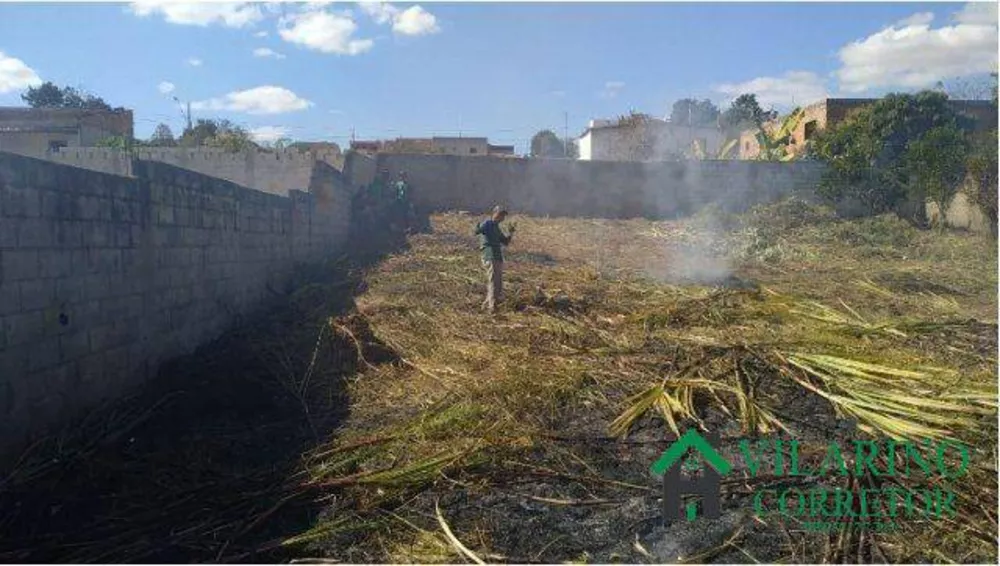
[(103, 277), (559, 187), (274, 172)]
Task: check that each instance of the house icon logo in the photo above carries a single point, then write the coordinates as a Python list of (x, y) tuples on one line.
[(706, 483)]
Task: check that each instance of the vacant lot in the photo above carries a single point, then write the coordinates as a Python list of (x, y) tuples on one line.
[(530, 434), (412, 427)]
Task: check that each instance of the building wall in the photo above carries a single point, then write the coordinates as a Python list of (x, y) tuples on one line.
[(560, 187), (668, 142), (28, 131), (271, 172), (103, 277), (832, 111), (461, 146), (585, 146)]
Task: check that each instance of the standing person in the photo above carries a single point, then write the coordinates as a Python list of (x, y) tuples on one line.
[(404, 207), (492, 242)]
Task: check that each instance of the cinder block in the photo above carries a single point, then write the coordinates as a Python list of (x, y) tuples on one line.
[(97, 286), (91, 370), (37, 294), (71, 290), (105, 260), (43, 353), (95, 208), (74, 345), (19, 265), (20, 202), (9, 228), (10, 297), (133, 306), (102, 337), (121, 235), (55, 263), (97, 234), (68, 234)]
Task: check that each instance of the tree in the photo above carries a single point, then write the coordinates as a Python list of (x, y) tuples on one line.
[(573, 149), (122, 143), (217, 133), (982, 169), (162, 137), (547, 144), (199, 134), (867, 153), (48, 95), (936, 164), (745, 112), (774, 143), (691, 112)]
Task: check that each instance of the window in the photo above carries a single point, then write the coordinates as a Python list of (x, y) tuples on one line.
[(472, 150), (746, 146), (55, 145)]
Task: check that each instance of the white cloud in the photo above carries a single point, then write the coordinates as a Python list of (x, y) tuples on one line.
[(267, 52), (323, 31), (795, 88), (921, 19), (611, 89), (382, 12), (558, 93), (978, 14), (16, 75), (414, 20), (165, 87), (268, 134), (911, 54), (260, 33), (229, 14), (195, 62), (260, 100)]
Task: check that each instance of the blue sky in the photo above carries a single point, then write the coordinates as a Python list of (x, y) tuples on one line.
[(314, 71)]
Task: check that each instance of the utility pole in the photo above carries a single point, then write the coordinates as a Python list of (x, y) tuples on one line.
[(565, 134), (187, 115)]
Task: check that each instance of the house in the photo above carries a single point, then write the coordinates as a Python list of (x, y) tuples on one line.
[(500, 151), (832, 111), (36, 131), (435, 145), (646, 140)]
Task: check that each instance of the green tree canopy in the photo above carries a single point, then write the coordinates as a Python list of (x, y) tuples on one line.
[(162, 137), (48, 95), (936, 164), (869, 154), (745, 112), (547, 144), (217, 133), (691, 112)]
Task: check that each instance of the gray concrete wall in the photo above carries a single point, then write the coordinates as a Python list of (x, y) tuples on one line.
[(271, 172), (103, 277), (558, 187)]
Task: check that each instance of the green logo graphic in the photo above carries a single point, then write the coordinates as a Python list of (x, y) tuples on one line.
[(706, 484)]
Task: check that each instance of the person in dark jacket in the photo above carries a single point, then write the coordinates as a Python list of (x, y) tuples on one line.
[(492, 242)]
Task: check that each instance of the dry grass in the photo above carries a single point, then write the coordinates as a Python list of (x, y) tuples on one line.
[(871, 319)]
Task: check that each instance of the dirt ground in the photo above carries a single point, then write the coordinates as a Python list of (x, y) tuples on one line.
[(377, 415)]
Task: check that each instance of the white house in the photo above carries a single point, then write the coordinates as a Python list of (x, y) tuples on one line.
[(645, 140)]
